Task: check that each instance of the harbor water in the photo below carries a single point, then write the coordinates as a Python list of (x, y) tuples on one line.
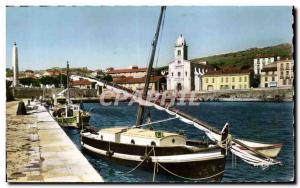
[(259, 121)]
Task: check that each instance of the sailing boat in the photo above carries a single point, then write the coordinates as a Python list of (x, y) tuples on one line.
[(159, 151), (67, 114)]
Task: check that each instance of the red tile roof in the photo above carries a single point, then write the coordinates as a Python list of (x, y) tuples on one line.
[(131, 80), (264, 55), (265, 69), (116, 71), (227, 71), (80, 82), (54, 72)]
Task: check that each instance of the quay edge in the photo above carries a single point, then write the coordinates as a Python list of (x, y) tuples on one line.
[(49, 155)]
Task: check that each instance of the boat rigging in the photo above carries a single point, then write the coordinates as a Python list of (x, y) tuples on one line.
[(171, 152)]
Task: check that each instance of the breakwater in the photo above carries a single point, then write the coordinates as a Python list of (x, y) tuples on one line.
[(91, 95), (252, 94), (38, 150)]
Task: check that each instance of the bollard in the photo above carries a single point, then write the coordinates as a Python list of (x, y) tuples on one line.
[(21, 109)]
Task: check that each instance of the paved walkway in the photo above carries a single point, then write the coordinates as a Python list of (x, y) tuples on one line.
[(38, 150)]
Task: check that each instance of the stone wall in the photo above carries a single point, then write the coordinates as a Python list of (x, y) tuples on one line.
[(258, 93), (37, 92)]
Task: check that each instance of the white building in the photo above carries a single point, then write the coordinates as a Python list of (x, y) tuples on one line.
[(184, 74), (261, 61)]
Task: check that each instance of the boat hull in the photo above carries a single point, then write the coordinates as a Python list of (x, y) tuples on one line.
[(72, 121), (204, 165), (67, 121)]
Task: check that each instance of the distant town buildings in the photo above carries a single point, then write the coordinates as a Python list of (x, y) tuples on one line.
[(97, 73), (226, 79), (268, 76), (157, 83), (133, 71), (53, 73), (278, 74), (37, 75), (179, 75), (82, 84), (261, 61), (29, 74), (184, 74), (285, 72)]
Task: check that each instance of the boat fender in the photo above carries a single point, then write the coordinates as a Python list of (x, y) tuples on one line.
[(109, 153), (146, 158)]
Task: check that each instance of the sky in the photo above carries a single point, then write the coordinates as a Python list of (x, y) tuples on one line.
[(98, 37)]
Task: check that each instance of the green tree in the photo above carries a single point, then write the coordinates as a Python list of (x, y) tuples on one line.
[(56, 80), (9, 72), (29, 81), (107, 77), (47, 80)]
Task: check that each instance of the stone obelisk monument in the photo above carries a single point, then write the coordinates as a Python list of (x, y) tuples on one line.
[(15, 65)]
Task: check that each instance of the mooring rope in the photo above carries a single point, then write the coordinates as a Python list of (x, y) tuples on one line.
[(155, 166), (192, 179), (139, 163)]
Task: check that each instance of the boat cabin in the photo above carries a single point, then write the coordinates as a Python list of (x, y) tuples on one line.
[(60, 100), (139, 136)]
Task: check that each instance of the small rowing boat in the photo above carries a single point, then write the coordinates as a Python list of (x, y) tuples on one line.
[(270, 150)]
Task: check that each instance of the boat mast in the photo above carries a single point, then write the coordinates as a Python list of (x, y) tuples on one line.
[(68, 92), (140, 113)]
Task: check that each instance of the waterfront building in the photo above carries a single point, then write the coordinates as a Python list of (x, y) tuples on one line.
[(268, 76), (81, 83), (52, 73), (29, 74), (133, 71), (285, 72), (157, 83), (183, 74), (21, 74), (226, 79), (262, 60), (37, 75), (97, 73), (15, 65)]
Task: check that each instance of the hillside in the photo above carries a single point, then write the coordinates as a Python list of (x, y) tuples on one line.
[(244, 59)]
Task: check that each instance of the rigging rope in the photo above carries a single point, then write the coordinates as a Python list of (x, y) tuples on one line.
[(245, 155), (225, 144), (155, 122)]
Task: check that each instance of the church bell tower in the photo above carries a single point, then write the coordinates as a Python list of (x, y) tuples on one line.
[(180, 51)]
